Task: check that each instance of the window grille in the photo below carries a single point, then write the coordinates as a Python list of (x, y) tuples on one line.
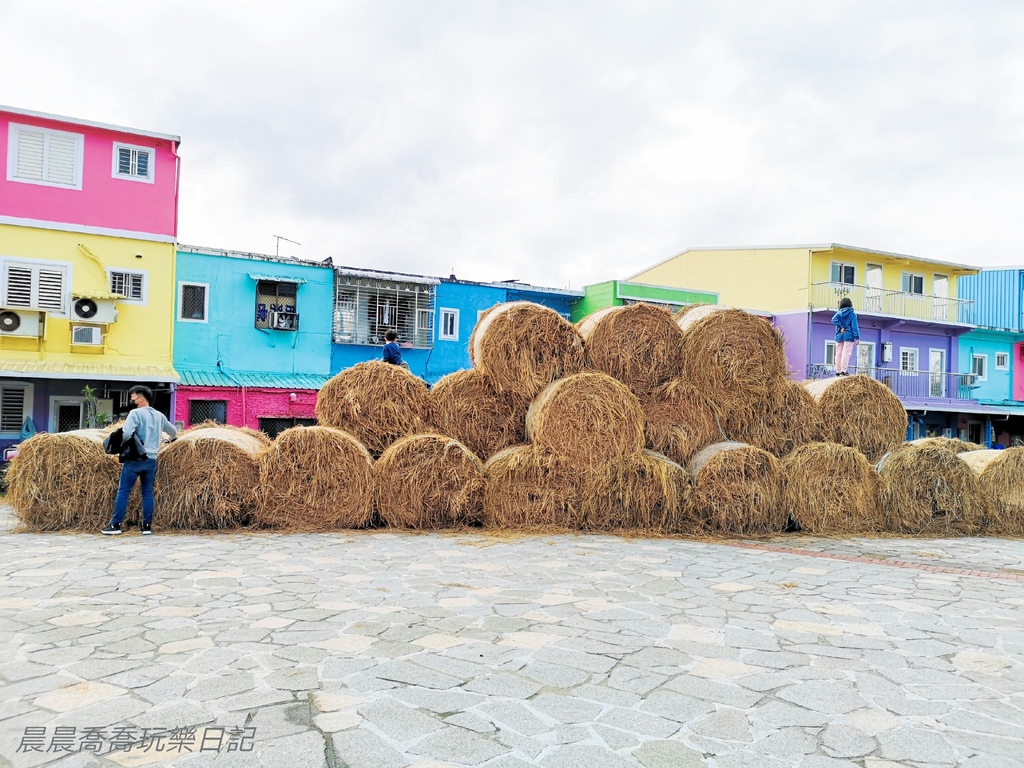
[(127, 284), (193, 302), (274, 297), (272, 426), (12, 409), (69, 417), (207, 410), (133, 162), (365, 308)]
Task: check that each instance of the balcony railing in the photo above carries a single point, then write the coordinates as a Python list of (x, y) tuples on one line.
[(879, 301), (912, 384)]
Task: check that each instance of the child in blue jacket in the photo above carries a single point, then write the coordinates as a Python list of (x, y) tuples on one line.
[(847, 335)]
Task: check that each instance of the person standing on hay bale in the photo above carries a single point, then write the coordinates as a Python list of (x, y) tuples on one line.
[(147, 424), (847, 335), (392, 352)]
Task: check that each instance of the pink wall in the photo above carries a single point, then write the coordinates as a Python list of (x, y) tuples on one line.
[(257, 403), (1017, 371), (103, 201)]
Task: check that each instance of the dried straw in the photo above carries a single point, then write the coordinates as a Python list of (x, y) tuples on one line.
[(469, 407), (643, 491), (929, 491), (314, 479), (428, 481), (832, 488), (738, 489), (640, 345), (733, 356), (680, 420), (64, 481), (524, 346), (528, 487), (786, 419), (953, 444), (587, 418), (207, 478), (263, 439), (859, 412), (376, 402), (1001, 474)]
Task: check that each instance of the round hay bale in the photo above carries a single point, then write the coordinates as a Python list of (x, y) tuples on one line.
[(528, 487), (929, 491), (587, 418), (314, 479), (859, 412), (469, 407), (832, 488), (1001, 474), (733, 356), (428, 481), (376, 402), (953, 444), (738, 489), (524, 346), (65, 481), (262, 437), (640, 345), (207, 478), (680, 420), (786, 419), (643, 491)]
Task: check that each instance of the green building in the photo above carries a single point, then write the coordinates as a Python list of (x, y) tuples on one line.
[(616, 293)]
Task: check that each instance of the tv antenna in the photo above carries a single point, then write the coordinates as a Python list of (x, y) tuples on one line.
[(279, 238)]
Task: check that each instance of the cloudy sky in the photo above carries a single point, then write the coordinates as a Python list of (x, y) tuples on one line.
[(557, 142)]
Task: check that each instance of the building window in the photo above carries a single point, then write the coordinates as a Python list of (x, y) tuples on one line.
[(449, 325), (365, 308), (128, 283), (908, 361), (133, 163), (35, 286), (912, 284), (830, 353), (979, 367), (1002, 361), (844, 273), (277, 305), (42, 156), (193, 302), (15, 407), (207, 410), (272, 426)]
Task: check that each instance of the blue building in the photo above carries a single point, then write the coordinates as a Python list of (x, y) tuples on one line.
[(994, 351), (252, 338)]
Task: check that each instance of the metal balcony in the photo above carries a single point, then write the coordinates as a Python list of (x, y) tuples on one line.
[(879, 301), (912, 385)]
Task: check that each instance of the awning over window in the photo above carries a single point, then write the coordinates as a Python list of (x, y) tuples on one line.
[(276, 279)]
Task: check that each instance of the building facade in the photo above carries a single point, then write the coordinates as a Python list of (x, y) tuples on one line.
[(252, 340), (88, 220), (617, 293)]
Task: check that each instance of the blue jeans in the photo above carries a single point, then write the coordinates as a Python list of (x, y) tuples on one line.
[(130, 472)]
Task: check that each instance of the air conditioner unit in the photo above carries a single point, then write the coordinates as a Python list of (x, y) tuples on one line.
[(87, 335), (22, 322), (99, 311), (284, 321)]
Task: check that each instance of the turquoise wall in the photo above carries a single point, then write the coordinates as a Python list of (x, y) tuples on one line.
[(997, 385)]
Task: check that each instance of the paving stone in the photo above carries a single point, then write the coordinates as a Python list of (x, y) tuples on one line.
[(554, 674), (722, 693), (675, 706), (841, 740), (399, 721), (305, 749), (293, 679), (362, 749), (634, 721), (458, 745), (726, 724), (504, 684), (413, 674), (823, 697), (441, 702), (565, 709), (282, 720), (470, 722), (586, 756), (221, 686), (515, 716), (786, 743), (781, 715), (915, 744), (668, 754)]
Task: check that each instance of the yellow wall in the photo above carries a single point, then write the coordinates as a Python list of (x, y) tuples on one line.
[(142, 333), (893, 268), (770, 279)]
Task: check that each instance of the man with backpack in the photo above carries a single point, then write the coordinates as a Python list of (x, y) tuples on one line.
[(144, 425)]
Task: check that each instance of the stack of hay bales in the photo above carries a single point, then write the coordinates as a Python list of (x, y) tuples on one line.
[(1001, 476)]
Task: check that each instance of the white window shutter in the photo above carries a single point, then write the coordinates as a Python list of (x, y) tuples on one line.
[(62, 156), (31, 155), (12, 409), (19, 287), (51, 289)]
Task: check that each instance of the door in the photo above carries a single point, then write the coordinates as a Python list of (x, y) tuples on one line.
[(873, 295), (866, 358), (67, 416), (940, 300), (936, 373)]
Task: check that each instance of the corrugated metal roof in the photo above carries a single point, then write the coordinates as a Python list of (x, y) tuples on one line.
[(235, 379), (277, 278), (46, 369)]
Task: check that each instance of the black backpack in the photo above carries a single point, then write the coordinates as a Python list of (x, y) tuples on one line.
[(132, 451)]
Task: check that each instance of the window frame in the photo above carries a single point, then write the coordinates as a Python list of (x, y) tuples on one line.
[(357, 306), (830, 351), (227, 408), (1006, 361), (904, 279), (13, 133), (983, 374), (256, 321), (145, 283), (35, 265), (150, 176), (26, 404), (442, 334), (917, 360), (206, 302), (842, 265)]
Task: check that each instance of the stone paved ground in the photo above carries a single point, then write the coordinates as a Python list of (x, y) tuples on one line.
[(381, 650)]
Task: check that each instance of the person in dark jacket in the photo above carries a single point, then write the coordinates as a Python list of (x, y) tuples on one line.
[(847, 335), (392, 354)]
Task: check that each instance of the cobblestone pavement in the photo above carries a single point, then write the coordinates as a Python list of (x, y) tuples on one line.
[(382, 650)]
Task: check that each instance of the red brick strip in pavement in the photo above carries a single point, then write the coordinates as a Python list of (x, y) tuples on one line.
[(880, 561)]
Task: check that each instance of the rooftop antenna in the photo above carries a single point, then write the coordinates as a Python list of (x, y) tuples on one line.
[(277, 248)]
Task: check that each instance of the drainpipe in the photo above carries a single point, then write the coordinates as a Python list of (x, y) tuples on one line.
[(245, 409), (174, 401)]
